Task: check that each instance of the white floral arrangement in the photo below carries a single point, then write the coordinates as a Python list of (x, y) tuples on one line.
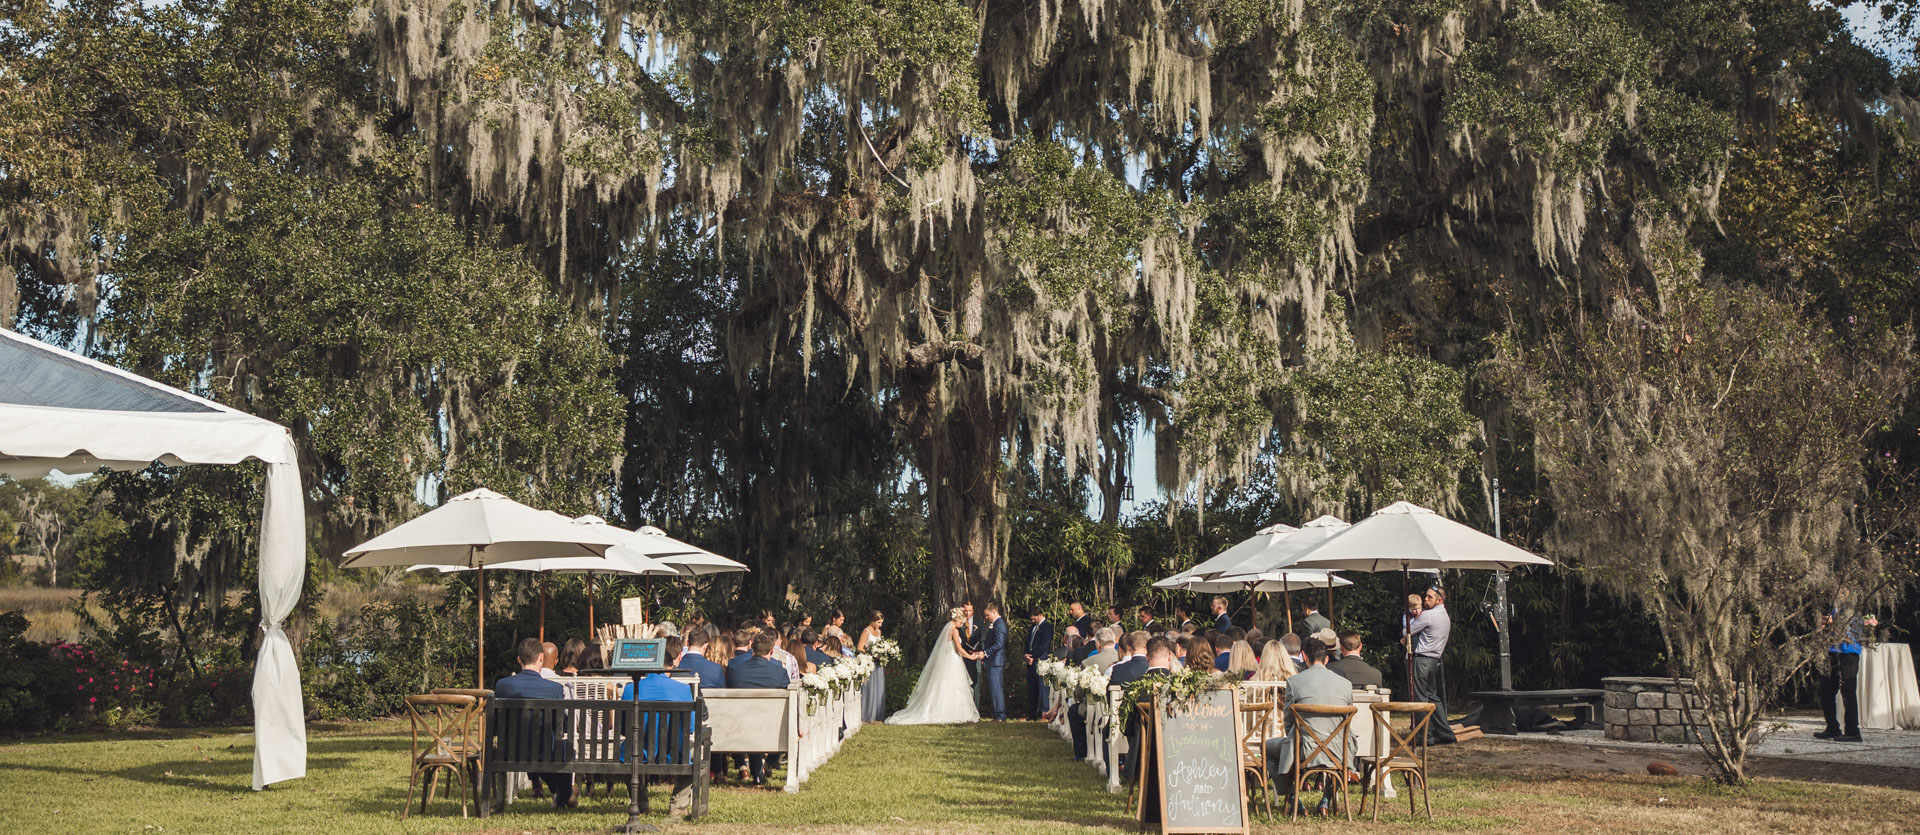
[(884, 651), (817, 689)]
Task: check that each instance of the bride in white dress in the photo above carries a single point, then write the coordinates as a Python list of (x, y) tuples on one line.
[(944, 694)]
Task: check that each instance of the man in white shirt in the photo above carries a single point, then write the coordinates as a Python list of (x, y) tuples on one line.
[(1427, 635), (785, 658)]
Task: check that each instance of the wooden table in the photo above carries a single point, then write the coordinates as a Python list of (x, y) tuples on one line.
[(1496, 707)]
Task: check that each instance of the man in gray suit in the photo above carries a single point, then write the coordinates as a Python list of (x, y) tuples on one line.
[(1315, 685), (1312, 621), (1108, 639)]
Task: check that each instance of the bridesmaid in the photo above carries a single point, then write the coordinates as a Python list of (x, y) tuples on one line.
[(873, 697)]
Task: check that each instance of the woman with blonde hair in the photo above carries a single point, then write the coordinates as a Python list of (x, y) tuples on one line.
[(1241, 663), (1275, 665)]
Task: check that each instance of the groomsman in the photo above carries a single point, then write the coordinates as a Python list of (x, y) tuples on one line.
[(1147, 622), (1082, 621), (993, 661), (1039, 645), (1184, 618), (1221, 622)]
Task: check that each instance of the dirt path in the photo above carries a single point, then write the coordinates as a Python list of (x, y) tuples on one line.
[(1533, 759)]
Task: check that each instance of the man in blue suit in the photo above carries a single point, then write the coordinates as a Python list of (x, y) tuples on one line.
[(1156, 662), (658, 687), (815, 656), (693, 659), (758, 670), (529, 684), (1039, 646), (993, 661), (1221, 622)]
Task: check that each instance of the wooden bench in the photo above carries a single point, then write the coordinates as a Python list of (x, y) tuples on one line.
[(1497, 706), (635, 740)]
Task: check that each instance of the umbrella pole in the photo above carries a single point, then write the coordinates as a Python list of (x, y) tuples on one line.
[(1330, 599), (1287, 593), (1409, 639), (590, 636), (543, 607), (482, 660)]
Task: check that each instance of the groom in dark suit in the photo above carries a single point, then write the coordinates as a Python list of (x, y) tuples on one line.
[(1039, 645), (993, 664)]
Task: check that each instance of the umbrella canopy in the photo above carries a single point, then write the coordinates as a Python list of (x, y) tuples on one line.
[(1280, 579), (1231, 558), (480, 528), (1284, 553), (686, 559), (1406, 536)]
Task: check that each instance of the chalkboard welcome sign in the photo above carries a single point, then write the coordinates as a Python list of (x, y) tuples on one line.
[(1197, 764)]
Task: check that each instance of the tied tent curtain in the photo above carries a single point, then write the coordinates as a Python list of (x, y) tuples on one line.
[(62, 411)]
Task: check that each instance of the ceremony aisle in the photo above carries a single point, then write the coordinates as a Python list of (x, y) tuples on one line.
[(1011, 778)]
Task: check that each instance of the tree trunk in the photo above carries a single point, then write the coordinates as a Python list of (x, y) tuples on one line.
[(959, 450)]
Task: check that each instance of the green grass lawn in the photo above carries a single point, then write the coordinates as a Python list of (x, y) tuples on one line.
[(1009, 778)]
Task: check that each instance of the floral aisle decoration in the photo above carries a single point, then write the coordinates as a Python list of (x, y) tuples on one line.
[(1179, 689), (834, 680)]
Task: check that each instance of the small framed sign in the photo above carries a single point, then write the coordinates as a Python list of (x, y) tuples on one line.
[(1193, 773), (633, 610), (638, 655)]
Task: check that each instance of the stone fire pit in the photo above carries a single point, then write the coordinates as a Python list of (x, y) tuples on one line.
[(1649, 709)]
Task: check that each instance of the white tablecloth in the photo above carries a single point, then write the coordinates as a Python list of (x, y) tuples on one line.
[(1889, 696)]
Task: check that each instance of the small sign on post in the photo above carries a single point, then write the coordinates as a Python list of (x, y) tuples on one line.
[(1192, 777), (633, 610)]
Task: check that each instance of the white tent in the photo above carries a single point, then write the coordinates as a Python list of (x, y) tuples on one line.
[(61, 411)]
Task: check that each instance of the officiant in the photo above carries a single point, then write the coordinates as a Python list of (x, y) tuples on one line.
[(970, 643)]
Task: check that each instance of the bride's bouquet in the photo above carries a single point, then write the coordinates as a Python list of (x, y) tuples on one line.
[(884, 651)]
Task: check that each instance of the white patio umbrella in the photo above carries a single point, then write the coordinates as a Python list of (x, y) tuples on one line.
[(1279, 579), (1404, 536), (1230, 559), (475, 530), (1283, 554), (686, 559)]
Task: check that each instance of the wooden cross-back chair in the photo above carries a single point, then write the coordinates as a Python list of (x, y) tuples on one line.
[(1405, 754), (473, 750), (445, 730), (1303, 758), (1256, 724)]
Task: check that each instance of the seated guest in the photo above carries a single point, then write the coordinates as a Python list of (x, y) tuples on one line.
[(570, 656), (1074, 649), (693, 659), (1237, 634), (834, 649), (758, 670), (743, 640), (810, 644), (1274, 666), (1259, 646), (1352, 666), (1315, 685), (1124, 671), (784, 647), (721, 645), (1290, 644), (1240, 660), (529, 684), (666, 629), (550, 660), (1200, 653), (1222, 651), (658, 687), (1106, 651), (1156, 660), (1179, 652), (588, 661)]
